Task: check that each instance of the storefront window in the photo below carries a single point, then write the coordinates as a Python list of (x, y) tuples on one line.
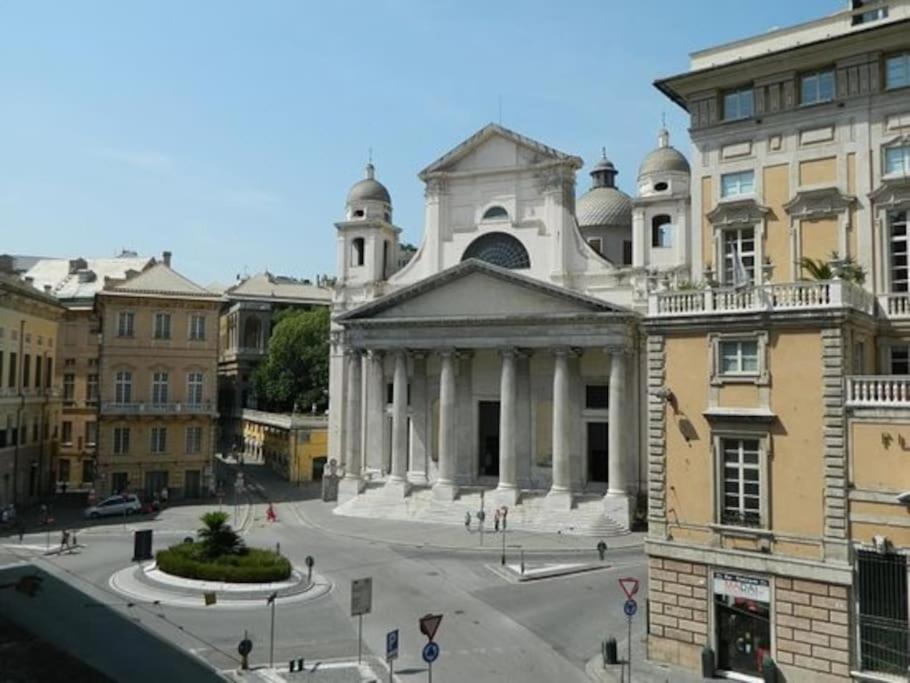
[(742, 618)]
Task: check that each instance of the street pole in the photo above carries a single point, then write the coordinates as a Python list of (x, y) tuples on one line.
[(359, 639), (629, 647), (503, 561), (273, 599), (430, 672)]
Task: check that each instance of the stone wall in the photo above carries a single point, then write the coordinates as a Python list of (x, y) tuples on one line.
[(678, 593), (812, 621)]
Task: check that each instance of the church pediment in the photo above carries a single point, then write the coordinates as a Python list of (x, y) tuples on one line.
[(494, 147), (476, 290)]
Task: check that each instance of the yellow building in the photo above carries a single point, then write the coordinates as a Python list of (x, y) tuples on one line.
[(158, 367), (295, 446), (29, 395), (779, 396)]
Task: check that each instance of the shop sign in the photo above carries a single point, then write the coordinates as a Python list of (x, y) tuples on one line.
[(745, 587)]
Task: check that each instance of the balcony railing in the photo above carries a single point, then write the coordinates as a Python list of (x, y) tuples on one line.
[(111, 408), (895, 306), (787, 296), (879, 391)]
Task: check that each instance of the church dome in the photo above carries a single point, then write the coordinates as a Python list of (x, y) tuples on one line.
[(369, 189), (603, 204), (663, 159)]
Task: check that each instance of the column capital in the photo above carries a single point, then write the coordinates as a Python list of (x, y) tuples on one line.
[(353, 352), (618, 350), (567, 351), (452, 352), (375, 354)]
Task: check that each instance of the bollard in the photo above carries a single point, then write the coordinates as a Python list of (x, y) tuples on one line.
[(707, 662), (300, 664), (609, 651), (291, 665)]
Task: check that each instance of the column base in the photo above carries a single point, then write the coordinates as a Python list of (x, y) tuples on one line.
[(418, 478), (506, 495), (558, 500), (445, 491), (396, 488), (349, 487), (619, 506)]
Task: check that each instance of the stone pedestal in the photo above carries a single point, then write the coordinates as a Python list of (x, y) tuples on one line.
[(505, 495), (445, 491), (349, 487), (396, 488), (558, 500), (620, 507)]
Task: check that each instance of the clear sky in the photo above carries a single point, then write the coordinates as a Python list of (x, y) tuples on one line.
[(230, 132)]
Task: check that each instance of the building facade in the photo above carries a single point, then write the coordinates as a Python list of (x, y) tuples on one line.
[(29, 392), (778, 396), (295, 446), (158, 370)]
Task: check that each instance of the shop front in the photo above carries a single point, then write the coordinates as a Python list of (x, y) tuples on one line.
[(742, 623)]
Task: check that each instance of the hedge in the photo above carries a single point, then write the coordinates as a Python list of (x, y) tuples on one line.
[(253, 566)]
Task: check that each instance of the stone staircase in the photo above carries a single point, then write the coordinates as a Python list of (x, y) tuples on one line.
[(586, 518)]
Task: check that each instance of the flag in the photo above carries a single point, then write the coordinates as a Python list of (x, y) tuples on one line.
[(740, 275)]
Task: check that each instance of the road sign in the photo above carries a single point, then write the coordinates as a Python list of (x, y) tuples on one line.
[(245, 647), (361, 596), (210, 598), (630, 607), (430, 652), (391, 645), (429, 623), (629, 586)]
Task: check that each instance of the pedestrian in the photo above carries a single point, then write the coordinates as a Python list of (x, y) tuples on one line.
[(42, 514), (164, 495), (270, 514), (20, 527), (63, 488), (64, 540), (496, 521), (73, 542), (467, 521)]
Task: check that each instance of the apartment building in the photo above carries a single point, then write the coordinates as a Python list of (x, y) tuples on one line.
[(74, 283), (778, 413), (293, 445), (157, 383), (29, 395)]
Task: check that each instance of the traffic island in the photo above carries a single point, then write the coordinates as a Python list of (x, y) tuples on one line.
[(536, 571)]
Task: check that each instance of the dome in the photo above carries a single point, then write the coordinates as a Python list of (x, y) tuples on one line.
[(663, 159), (369, 189), (603, 206)]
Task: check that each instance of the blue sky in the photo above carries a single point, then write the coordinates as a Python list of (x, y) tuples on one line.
[(230, 132)]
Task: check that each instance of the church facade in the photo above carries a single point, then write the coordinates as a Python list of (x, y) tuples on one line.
[(506, 356)]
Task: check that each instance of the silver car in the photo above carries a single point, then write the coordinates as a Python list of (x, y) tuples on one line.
[(114, 505)]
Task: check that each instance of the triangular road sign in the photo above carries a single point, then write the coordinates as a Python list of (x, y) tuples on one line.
[(429, 623), (629, 586)]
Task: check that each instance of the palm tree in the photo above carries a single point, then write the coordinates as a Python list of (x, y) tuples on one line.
[(217, 536), (848, 270)]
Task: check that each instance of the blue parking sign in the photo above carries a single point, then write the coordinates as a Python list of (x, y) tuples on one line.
[(391, 645)]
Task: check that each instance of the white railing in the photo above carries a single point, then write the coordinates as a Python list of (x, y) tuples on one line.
[(769, 297), (895, 306), (878, 391), (111, 408)]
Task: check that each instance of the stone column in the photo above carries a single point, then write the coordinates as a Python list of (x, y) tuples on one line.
[(352, 484), (507, 491), (560, 495), (375, 424), (445, 483), (417, 469), (396, 483), (618, 502)]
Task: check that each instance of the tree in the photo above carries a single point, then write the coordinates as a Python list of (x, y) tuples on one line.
[(218, 538), (296, 369), (849, 269)]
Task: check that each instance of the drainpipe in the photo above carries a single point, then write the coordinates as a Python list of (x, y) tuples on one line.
[(19, 409)]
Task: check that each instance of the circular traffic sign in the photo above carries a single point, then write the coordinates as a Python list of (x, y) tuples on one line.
[(630, 607), (430, 652), (245, 647)]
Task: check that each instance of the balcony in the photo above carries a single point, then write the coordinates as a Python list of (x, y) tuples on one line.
[(777, 297), (878, 391), (895, 306), (111, 408)]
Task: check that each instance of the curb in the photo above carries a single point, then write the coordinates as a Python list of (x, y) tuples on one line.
[(513, 577)]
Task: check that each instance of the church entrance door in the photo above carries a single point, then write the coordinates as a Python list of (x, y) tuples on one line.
[(488, 438), (597, 451)]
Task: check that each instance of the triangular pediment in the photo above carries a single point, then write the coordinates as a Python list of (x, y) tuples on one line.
[(492, 147), (477, 290)]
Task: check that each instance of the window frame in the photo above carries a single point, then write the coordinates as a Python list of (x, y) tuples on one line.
[(196, 332), (905, 58), (761, 375), (120, 437), (738, 176), (193, 444), (190, 387), (739, 93), (817, 75), (751, 271), (161, 325), (126, 324), (161, 389), (158, 437), (720, 439), (662, 233), (123, 387), (599, 249), (904, 151)]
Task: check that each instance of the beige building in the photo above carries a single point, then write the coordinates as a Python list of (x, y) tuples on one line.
[(779, 399), (158, 367), (295, 446), (74, 283), (29, 394)]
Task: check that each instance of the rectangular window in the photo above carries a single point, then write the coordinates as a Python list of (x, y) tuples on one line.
[(738, 357), (741, 500), (817, 87), (736, 184), (120, 482), (597, 245), (123, 387), (2, 438), (194, 381), (50, 372), (739, 256), (125, 324), (91, 433), (38, 367), (197, 327), (738, 104), (1, 367), (12, 369), (67, 432), (897, 160), (35, 431), (900, 359), (159, 387), (159, 439), (627, 252), (69, 388), (121, 440), (162, 326), (193, 440), (597, 396), (661, 232), (26, 370), (897, 71), (91, 388), (884, 622), (900, 277)]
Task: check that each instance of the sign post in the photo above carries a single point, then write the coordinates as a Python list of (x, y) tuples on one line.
[(271, 601), (629, 586), (429, 624), (391, 652), (361, 603)]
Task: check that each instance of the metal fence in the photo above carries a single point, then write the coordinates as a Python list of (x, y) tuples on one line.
[(884, 631)]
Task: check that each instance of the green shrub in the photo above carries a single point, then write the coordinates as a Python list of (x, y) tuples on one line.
[(191, 561), (217, 538)]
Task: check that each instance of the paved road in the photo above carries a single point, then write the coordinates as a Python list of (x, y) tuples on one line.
[(492, 630)]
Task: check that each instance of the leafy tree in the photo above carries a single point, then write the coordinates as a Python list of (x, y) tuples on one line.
[(818, 269), (218, 538), (296, 369)]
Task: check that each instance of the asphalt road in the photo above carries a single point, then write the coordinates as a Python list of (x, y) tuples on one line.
[(492, 630)]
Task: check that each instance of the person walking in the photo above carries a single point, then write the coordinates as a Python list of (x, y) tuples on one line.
[(164, 495), (64, 540), (496, 522), (467, 521)]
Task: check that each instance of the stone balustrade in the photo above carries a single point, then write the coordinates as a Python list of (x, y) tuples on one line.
[(878, 391), (141, 408), (895, 306)]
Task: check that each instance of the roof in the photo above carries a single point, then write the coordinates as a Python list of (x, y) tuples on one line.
[(604, 206), (159, 280), (662, 160), (82, 278), (268, 287), (485, 133), (12, 284), (18, 263)]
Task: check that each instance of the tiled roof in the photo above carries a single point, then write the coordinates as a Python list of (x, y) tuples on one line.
[(160, 280), (265, 286)]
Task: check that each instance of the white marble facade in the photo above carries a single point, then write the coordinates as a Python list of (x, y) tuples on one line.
[(507, 353)]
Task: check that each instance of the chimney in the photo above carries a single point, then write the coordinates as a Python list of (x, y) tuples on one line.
[(47, 289), (166, 257)]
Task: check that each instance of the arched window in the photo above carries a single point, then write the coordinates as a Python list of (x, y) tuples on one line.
[(495, 213), (357, 249), (385, 259), (661, 231), (499, 249)]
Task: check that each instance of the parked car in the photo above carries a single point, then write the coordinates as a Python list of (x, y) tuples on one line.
[(114, 505)]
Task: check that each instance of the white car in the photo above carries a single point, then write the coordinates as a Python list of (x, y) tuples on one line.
[(114, 505)]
